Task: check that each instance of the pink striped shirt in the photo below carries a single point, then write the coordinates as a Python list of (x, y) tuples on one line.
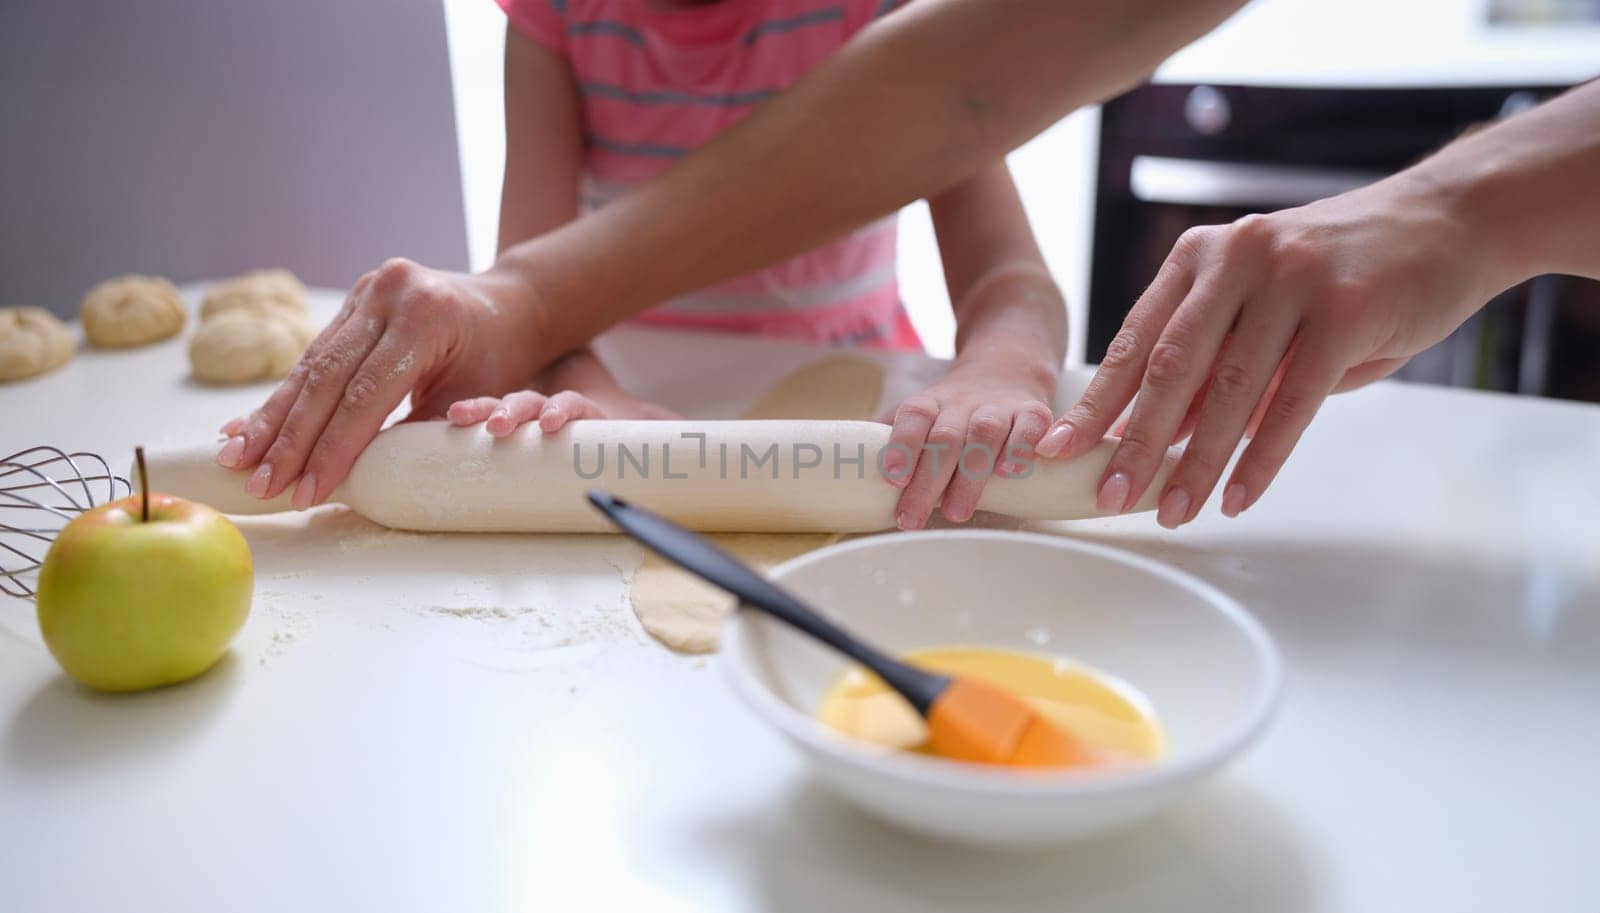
[(658, 80)]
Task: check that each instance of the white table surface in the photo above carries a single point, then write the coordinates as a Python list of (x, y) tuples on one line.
[(419, 722)]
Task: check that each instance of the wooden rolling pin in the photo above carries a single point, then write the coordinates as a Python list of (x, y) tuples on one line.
[(712, 476)]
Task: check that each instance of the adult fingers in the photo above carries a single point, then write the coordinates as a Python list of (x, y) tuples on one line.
[(514, 411), (911, 422), (1266, 397), (1246, 365), (407, 313), (1192, 415), (935, 465), (367, 396), (248, 443), (987, 431), (326, 374), (1367, 372), (228, 454), (1314, 367), (1180, 363), (1121, 370)]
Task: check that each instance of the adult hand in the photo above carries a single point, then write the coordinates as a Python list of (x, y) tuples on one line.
[(404, 329), (1258, 322)]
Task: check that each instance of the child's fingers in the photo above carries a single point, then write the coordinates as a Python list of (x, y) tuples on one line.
[(1027, 427), (912, 421), (567, 406), (935, 466), (987, 431), (515, 410), (471, 411)]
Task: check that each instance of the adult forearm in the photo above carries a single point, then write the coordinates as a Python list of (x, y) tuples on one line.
[(914, 104), (1530, 188)]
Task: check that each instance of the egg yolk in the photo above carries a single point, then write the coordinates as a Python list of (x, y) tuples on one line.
[(1107, 717)]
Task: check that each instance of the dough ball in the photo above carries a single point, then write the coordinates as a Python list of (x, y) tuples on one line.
[(246, 344), (131, 311), (32, 341), (268, 287)]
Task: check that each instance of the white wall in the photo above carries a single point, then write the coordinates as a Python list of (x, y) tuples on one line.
[(195, 139), (1055, 173), (476, 32)]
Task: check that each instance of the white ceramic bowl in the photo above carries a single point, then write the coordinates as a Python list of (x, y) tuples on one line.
[(1207, 667)]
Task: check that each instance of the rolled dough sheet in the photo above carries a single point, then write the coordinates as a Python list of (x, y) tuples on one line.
[(685, 614), (844, 387)]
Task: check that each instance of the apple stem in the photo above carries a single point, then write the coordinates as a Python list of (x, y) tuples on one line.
[(144, 486)]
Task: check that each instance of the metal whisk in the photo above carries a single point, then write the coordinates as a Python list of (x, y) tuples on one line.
[(41, 490)]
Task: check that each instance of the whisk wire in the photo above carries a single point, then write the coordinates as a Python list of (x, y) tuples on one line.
[(46, 481)]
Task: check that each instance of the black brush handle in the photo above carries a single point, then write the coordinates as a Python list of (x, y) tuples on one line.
[(698, 556)]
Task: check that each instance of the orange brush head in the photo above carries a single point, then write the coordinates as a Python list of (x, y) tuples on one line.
[(974, 721)]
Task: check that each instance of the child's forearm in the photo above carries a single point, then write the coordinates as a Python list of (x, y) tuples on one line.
[(1007, 307), (1017, 318), (539, 189), (580, 370), (907, 109)]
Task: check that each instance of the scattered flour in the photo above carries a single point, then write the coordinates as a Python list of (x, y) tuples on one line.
[(477, 613), (289, 625), (524, 638), (376, 537)]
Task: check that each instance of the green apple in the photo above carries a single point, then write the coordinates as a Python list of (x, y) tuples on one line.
[(140, 593)]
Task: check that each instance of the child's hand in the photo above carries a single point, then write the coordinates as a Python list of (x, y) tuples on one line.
[(983, 418), (503, 415), (587, 390)]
